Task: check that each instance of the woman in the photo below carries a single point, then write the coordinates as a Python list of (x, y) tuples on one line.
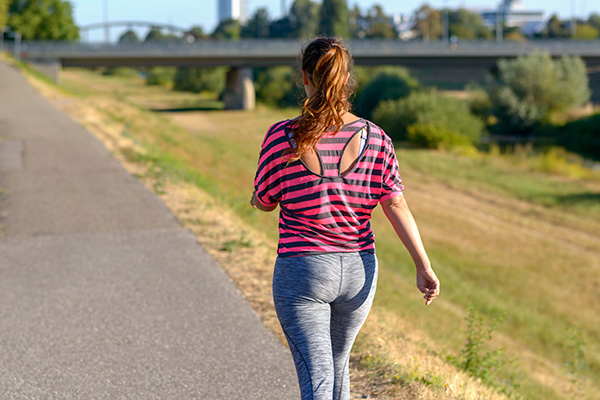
[(327, 170)]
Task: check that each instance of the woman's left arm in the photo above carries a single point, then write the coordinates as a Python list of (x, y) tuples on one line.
[(397, 212)]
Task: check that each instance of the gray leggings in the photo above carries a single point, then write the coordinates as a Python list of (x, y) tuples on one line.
[(321, 302)]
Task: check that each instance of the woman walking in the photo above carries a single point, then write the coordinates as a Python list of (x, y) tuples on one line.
[(327, 170)]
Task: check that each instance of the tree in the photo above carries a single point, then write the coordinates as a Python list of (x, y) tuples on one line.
[(129, 37), (228, 29), (258, 25), (281, 28), (390, 83), (555, 28), (429, 23), (594, 20), (530, 89), (357, 24), (303, 17), (379, 24), (586, 32), (156, 35), (194, 79), (3, 13), (514, 34), (42, 19), (197, 32), (334, 18), (467, 25), (276, 86), (160, 76)]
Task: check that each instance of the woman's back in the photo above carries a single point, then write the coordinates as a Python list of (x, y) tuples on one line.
[(347, 145)]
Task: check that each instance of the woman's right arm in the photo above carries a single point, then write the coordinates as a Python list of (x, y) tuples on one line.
[(254, 202), (397, 212)]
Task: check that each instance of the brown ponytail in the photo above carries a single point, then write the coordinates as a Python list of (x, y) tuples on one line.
[(328, 64)]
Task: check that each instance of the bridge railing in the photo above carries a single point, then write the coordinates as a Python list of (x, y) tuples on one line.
[(291, 48)]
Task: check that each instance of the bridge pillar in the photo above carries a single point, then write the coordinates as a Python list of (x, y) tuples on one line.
[(239, 89), (50, 68)]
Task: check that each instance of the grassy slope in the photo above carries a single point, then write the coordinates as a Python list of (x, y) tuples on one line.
[(501, 238)]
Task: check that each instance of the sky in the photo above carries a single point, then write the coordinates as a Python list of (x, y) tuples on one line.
[(187, 13)]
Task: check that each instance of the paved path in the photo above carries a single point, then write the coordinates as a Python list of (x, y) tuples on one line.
[(102, 294)]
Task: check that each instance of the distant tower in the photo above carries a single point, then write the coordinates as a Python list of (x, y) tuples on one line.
[(233, 9)]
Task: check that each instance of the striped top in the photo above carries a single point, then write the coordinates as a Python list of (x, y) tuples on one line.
[(331, 211)]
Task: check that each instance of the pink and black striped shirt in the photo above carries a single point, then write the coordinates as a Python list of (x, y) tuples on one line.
[(327, 212)]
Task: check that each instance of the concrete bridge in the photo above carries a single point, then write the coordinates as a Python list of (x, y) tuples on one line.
[(478, 57)]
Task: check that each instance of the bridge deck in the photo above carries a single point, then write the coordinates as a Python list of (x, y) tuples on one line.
[(255, 53)]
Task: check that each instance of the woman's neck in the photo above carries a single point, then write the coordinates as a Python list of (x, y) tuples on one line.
[(348, 117)]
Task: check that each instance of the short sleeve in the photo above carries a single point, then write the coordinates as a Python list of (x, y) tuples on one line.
[(265, 178), (391, 184)]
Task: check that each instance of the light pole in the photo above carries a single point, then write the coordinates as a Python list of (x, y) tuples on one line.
[(106, 32), (573, 23), (499, 20), (17, 45), (445, 27)]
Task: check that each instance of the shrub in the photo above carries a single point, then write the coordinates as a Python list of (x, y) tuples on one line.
[(582, 136), (196, 80), (529, 89), (479, 360), (480, 103), (160, 75), (433, 135), (429, 119), (277, 86), (387, 84), (125, 72)]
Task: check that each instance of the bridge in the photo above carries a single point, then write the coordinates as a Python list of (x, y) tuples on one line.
[(243, 55), (85, 29)]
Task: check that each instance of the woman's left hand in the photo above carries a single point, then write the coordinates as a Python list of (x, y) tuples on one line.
[(428, 283)]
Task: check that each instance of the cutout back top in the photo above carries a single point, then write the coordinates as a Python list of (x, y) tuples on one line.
[(335, 155), (326, 198)]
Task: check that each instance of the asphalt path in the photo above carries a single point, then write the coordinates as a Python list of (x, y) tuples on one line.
[(103, 295)]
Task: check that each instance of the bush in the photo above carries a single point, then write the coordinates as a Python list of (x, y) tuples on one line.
[(433, 135), (160, 75), (581, 136), (429, 119), (125, 72), (196, 80), (529, 89), (480, 103), (277, 86), (387, 84)]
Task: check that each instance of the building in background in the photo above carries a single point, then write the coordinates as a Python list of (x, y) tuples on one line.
[(233, 9), (405, 26), (513, 14)]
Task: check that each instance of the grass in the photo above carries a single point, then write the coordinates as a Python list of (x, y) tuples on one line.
[(503, 239)]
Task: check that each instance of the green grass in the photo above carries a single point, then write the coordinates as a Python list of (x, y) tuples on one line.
[(502, 238), (489, 174)]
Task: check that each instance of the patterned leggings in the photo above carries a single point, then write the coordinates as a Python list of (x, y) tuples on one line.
[(321, 302)]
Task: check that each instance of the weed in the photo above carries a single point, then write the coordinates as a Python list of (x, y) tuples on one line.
[(480, 361), (242, 241), (576, 365)]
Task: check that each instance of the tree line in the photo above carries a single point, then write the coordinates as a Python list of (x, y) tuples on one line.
[(524, 97), (53, 20)]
